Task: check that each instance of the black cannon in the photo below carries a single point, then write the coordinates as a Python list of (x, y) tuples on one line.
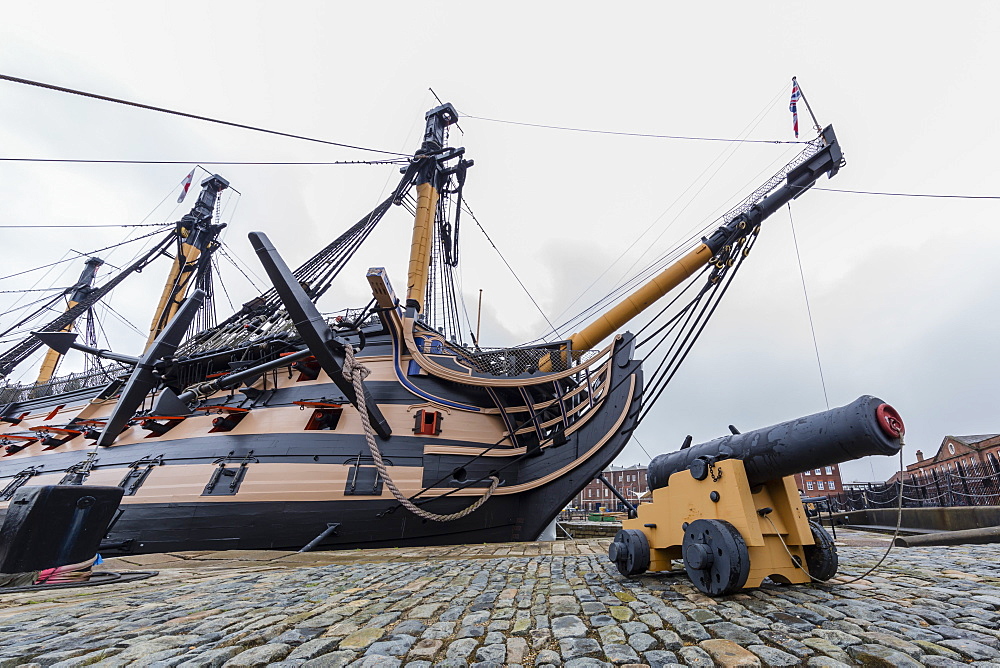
[(867, 426), (730, 509)]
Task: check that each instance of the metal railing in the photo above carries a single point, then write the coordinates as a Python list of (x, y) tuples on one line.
[(75, 381), (975, 484)]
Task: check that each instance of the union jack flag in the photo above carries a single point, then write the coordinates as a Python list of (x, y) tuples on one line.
[(793, 106)]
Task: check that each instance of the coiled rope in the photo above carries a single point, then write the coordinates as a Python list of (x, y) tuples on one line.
[(356, 373)]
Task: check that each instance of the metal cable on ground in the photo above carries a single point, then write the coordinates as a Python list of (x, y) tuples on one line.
[(105, 98), (899, 523), (356, 373)]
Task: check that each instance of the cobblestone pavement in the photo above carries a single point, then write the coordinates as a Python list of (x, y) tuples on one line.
[(518, 604)]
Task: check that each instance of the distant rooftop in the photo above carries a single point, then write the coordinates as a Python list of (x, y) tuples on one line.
[(972, 440)]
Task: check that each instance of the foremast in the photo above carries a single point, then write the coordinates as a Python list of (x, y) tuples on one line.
[(430, 180)]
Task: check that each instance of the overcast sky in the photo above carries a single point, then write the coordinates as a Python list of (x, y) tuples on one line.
[(903, 290)]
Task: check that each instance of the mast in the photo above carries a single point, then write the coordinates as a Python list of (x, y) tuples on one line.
[(798, 178), (430, 180), (76, 294), (196, 235)]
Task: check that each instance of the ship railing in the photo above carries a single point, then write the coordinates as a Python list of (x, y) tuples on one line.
[(11, 394), (536, 412), (512, 362)]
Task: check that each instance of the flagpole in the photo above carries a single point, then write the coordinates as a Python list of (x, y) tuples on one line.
[(803, 96)]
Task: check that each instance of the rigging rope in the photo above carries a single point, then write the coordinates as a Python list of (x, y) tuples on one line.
[(105, 98), (694, 320), (631, 134), (724, 156), (805, 293), (356, 373), (468, 210), (79, 255), (391, 161), (888, 194), (63, 227)]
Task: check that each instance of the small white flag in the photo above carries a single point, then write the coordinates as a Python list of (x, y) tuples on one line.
[(185, 186)]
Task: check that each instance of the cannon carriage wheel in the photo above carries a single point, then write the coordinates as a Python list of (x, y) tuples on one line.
[(821, 558), (716, 557), (630, 552)]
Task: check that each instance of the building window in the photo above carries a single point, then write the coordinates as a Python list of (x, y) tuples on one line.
[(819, 485), (819, 471), (832, 485), (809, 485), (809, 472), (829, 470)]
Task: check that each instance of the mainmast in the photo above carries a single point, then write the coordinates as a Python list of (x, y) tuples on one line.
[(196, 235), (76, 294)]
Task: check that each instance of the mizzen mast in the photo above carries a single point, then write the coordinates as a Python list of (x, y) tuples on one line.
[(75, 294)]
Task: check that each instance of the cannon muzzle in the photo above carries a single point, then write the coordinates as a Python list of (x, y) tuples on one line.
[(867, 426)]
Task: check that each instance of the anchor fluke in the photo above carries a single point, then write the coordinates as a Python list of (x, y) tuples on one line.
[(144, 377), (63, 342)]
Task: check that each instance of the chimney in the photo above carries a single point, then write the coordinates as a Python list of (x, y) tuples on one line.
[(920, 456)]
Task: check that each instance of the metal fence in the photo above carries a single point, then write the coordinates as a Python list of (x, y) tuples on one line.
[(973, 484)]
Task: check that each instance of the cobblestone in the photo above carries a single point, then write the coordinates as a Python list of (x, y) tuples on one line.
[(522, 604)]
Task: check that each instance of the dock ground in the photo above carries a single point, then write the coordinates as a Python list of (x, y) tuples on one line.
[(514, 604)]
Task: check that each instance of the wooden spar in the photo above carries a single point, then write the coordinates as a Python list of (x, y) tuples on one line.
[(799, 175), (634, 304), (174, 290), (479, 316), (420, 247)]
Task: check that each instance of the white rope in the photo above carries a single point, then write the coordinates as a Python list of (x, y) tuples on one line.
[(356, 373)]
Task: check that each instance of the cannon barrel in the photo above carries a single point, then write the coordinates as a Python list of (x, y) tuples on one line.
[(867, 426)]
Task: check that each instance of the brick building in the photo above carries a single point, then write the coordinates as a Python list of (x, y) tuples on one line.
[(820, 482), (957, 455), (629, 480)]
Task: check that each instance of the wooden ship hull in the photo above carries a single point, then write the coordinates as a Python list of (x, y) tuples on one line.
[(274, 483)]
